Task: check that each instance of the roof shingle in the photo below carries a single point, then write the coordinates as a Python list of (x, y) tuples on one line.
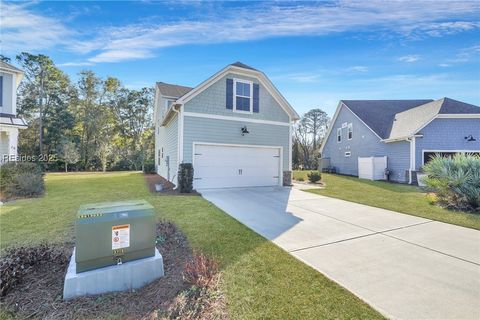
[(379, 114), (172, 90)]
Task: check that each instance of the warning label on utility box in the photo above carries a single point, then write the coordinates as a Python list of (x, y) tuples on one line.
[(120, 236)]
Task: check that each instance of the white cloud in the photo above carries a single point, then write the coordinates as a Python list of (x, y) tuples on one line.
[(25, 30), (462, 56), (75, 64), (409, 58), (358, 69)]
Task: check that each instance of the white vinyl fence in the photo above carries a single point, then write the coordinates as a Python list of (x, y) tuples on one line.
[(372, 168)]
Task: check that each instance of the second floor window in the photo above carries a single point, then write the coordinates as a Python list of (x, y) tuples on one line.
[(339, 135), (350, 131), (243, 96)]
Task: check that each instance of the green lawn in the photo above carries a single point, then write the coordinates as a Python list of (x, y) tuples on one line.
[(260, 280), (392, 196)]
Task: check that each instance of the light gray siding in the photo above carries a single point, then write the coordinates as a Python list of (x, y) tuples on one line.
[(167, 138), (8, 105), (213, 101), (229, 132), (364, 144), (447, 134)]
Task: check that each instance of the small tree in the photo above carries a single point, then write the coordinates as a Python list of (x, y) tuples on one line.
[(68, 153)]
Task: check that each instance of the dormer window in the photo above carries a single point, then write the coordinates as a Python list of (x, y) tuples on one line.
[(243, 96)]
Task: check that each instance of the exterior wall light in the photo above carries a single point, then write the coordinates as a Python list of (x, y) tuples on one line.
[(244, 130), (470, 138)]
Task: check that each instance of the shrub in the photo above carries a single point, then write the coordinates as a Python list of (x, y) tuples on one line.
[(431, 197), (20, 179), (149, 167), (17, 262), (25, 184), (456, 180), (200, 271), (314, 176), (300, 179), (185, 177)]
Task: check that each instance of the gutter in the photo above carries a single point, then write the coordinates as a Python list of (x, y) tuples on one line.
[(169, 113)]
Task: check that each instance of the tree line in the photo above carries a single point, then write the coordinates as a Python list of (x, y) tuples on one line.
[(309, 133), (98, 124), (90, 124)]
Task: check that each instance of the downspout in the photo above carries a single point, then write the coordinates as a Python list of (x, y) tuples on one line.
[(179, 137), (412, 158)]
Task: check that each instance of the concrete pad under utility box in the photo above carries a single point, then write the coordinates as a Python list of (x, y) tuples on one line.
[(127, 276)]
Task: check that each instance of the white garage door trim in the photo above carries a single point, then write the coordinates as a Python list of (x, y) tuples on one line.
[(280, 148)]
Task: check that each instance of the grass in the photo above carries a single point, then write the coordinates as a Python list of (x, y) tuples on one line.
[(392, 196), (259, 279)]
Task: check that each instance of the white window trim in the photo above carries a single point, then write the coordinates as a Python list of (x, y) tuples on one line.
[(349, 128), (339, 130), (348, 154), (235, 95)]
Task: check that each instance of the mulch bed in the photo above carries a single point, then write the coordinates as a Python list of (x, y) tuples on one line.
[(38, 274), (153, 179)]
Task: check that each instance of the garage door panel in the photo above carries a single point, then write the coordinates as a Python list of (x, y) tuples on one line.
[(235, 166), (222, 171)]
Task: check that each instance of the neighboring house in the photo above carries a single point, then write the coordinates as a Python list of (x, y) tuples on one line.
[(10, 78), (235, 128), (400, 135)]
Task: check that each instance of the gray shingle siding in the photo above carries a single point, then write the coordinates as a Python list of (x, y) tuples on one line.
[(228, 132), (364, 144), (447, 134), (213, 101)]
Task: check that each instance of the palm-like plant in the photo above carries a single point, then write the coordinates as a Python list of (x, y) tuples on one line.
[(456, 180)]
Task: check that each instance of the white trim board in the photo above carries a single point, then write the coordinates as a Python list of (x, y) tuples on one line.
[(459, 116), (280, 168), (230, 118)]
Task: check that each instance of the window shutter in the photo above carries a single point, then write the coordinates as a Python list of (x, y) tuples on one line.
[(229, 102), (256, 89)]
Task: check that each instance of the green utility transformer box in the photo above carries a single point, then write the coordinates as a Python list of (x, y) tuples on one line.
[(112, 233)]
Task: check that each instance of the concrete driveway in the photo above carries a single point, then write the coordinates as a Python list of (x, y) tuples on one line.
[(404, 266)]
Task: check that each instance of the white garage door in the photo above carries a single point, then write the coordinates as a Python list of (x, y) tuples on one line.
[(218, 166)]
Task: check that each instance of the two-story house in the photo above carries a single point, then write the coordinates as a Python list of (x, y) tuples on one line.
[(235, 128), (10, 78), (393, 139)]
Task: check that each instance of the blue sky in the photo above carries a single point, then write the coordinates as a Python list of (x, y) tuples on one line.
[(316, 53)]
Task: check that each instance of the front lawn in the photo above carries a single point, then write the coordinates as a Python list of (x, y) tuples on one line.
[(260, 280), (392, 196)]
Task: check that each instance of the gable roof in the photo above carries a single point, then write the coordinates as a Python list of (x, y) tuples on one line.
[(409, 122), (242, 65), (393, 120), (185, 94), (450, 106), (8, 67), (378, 115), (172, 90)]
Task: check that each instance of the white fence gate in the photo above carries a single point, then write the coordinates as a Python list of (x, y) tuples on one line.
[(372, 168)]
